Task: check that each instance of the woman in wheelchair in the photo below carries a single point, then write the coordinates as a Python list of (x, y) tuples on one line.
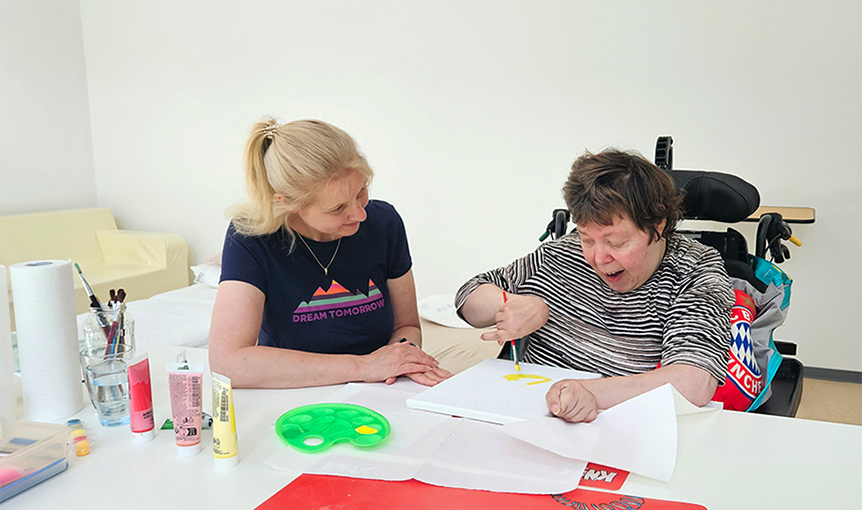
[(623, 295)]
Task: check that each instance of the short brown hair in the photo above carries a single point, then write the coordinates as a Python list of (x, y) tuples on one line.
[(622, 183)]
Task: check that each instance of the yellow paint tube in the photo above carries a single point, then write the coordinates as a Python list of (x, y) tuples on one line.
[(225, 451)]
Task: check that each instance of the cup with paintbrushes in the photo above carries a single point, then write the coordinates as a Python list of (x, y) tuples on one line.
[(110, 323), (105, 370), (109, 334)]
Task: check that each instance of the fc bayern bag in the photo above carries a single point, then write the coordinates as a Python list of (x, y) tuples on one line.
[(753, 359)]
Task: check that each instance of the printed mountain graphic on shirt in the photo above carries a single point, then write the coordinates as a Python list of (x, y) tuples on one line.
[(338, 302)]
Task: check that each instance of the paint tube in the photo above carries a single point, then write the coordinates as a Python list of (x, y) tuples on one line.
[(184, 382), (225, 451), (141, 400), (13, 474)]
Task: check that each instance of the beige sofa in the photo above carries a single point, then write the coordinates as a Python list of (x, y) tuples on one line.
[(142, 263)]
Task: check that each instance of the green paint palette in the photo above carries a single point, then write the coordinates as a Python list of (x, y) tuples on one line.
[(316, 427)]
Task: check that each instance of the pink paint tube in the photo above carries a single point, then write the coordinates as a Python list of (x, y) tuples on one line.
[(141, 400), (185, 381)]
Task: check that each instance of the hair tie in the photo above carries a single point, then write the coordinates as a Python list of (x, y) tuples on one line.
[(270, 130)]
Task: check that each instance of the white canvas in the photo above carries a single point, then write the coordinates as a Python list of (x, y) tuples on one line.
[(493, 391)]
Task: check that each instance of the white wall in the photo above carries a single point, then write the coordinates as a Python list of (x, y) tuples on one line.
[(46, 153), (472, 112)]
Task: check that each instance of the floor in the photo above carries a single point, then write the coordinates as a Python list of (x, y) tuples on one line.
[(836, 402)]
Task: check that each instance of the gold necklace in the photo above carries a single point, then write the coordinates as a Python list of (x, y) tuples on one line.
[(326, 267)]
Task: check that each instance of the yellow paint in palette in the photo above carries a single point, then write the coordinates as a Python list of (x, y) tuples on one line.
[(517, 377), (365, 429)]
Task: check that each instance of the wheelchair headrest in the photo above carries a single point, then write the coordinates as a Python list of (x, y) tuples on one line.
[(708, 195), (716, 196)]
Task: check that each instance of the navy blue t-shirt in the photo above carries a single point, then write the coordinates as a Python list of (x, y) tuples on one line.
[(346, 312)]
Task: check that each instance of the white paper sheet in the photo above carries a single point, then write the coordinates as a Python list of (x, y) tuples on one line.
[(683, 406), (481, 455), (436, 449), (638, 435), (493, 391), (389, 401)]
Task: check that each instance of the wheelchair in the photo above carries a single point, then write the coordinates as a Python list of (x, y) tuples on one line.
[(725, 198)]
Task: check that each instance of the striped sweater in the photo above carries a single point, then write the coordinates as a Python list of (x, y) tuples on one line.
[(681, 314)]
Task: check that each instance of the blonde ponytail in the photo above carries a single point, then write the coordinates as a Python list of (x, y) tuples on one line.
[(292, 161)]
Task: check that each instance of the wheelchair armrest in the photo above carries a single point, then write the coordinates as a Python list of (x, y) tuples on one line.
[(786, 390), (785, 348)]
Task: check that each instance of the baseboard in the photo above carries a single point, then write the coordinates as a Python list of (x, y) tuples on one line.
[(832, 374)]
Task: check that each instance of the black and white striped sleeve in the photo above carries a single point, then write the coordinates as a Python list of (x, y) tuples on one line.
[(508, 278)]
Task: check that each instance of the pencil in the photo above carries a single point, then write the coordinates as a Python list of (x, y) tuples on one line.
[(514, 349)]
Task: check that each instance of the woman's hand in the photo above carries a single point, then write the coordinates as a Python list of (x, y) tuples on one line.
[(518, 317), (429, 378), (570, 400), (392, 360)]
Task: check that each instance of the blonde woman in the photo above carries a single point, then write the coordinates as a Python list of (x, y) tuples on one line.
[(316, 284)]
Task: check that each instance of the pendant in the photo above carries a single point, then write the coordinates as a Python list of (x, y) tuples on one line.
[(325, 271)]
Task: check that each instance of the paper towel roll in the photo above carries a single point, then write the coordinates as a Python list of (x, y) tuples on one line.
[(44, 297), (8, 384)]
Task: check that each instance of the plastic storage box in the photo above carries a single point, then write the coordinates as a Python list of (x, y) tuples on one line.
[(30, 453)]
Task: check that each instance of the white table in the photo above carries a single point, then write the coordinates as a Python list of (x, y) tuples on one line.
[(725, 460)]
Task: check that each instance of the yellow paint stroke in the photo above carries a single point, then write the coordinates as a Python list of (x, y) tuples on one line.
[(365, 429), (518, 377)]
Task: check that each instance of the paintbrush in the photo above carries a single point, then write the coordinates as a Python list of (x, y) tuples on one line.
[(514, 347)]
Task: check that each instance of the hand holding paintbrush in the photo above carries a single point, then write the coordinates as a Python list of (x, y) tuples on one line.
[(517, 317)]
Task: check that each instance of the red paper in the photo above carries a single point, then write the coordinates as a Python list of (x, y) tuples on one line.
[(314, 492), (603, 477)]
